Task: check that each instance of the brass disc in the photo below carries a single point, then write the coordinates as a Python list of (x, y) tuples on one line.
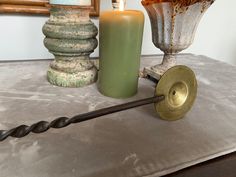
[(179, 86)]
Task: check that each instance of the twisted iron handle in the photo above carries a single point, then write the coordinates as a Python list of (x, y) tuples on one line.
[(43, 126)]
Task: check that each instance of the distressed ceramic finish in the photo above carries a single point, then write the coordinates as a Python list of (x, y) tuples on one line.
[(173, 29), (71, 37), (133, 143)]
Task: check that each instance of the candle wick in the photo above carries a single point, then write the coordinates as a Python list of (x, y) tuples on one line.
[(118, 5), (122, 5)]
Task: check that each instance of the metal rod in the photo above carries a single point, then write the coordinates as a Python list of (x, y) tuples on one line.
[(62, 122)]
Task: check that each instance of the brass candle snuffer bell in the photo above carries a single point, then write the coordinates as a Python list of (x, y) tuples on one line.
[(173, 25)]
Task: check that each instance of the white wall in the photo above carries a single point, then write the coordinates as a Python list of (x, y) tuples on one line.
[(21, 36)]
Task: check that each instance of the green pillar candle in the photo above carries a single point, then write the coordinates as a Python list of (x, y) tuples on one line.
[(121, 34)]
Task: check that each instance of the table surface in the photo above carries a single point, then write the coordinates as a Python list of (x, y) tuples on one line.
[(131, 143)]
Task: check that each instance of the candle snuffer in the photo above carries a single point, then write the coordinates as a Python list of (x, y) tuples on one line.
[(174, 96)]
